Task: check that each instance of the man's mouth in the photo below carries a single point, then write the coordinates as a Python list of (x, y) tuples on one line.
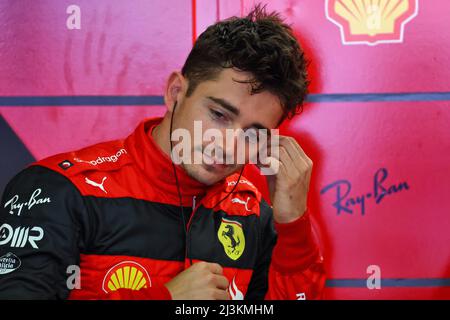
[(214, 164)]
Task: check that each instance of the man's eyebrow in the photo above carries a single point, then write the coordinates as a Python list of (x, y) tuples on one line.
[(225, 104)]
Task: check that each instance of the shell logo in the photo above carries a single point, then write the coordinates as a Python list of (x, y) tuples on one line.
[(126, 275), (371, 22)]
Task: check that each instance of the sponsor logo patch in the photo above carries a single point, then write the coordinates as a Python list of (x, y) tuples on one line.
[(371, 22), (126, 275), (66, 164), (9, 263), (111, 158), (34, 200), (231, 235), (20, 236), (96, 184), (234, 291), (245, 203), (301, 296)]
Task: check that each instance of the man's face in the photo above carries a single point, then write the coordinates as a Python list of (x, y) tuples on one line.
[(223, 104)]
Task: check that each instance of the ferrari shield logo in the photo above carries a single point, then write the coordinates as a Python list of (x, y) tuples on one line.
[(232, 237)]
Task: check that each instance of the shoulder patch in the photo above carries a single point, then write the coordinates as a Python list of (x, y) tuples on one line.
[(245, 199)]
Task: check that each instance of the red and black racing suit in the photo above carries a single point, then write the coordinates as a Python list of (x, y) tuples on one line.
[(113, 210)]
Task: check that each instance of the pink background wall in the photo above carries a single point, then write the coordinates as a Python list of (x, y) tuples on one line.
[(382, 108)]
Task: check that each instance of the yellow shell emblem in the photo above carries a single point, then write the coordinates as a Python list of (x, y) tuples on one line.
[(126, 275), (371, 21), (232, 237)]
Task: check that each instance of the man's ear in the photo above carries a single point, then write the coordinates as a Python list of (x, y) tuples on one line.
[(175, 89)]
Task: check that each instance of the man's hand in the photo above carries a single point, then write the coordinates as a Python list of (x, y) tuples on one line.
[(289, 187), (201, 281)]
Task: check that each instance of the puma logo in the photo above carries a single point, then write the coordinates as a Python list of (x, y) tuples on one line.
[(95, 184), (245, 203)]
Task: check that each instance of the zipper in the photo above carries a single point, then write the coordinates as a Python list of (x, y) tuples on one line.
[(195, 206)]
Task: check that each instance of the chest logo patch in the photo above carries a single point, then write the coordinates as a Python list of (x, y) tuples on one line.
[(126, 275), (231, 235)]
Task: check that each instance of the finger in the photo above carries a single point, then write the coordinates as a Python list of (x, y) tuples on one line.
[(292, 147), (271, 168), (289, 163), (283, 170), (297, 156), (220, 295), (221, 282), (295, 146), (214, 268)]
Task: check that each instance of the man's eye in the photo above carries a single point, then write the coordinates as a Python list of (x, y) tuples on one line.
[(217, 115)]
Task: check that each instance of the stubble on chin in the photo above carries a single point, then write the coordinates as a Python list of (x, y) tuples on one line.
[(196, 174)]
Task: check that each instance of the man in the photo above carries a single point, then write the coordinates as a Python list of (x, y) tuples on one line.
[(140, 226)]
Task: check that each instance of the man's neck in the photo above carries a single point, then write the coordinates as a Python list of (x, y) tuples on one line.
[(160, 135)]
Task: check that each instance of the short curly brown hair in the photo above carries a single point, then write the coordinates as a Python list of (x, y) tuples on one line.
[(260, 43)]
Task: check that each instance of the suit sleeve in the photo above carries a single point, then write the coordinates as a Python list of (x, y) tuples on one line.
[(290, 265), (42, 222)]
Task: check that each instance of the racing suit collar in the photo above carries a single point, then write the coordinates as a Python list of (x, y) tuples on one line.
[(157, 166)]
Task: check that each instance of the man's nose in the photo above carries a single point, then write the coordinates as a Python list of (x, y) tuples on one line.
[(227, 146), (240, 146), (230, 143)]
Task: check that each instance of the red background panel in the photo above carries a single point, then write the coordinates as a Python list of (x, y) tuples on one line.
[(418, 64), (121, 48), (406, 233), (412, 293), (50, 130)]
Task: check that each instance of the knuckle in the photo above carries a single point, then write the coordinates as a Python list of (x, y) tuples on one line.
[(218, 267), (225, 279), (220, 294), (214, 294), (209, 278)]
